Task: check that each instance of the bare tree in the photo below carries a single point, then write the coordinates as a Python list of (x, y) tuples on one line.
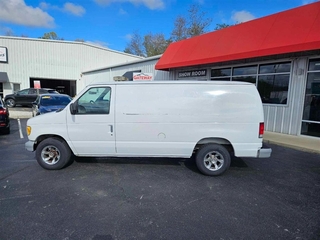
[(221, 26), (180, 30), (135, 46), (9, 32), (79, 40), (197, 22), (155, 44), (184, 27), (194, 24), (51, 35)]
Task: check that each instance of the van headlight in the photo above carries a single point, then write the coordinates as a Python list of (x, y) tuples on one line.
[(28, 130)]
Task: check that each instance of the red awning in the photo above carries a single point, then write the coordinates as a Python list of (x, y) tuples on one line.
[(294, 30)]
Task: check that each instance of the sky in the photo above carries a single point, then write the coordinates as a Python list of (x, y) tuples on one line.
[(111, 23)]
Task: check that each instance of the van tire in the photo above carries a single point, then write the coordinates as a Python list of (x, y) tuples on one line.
[(53, 154), (213, 159)]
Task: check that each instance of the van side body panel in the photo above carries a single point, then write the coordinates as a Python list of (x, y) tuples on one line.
[(92, 134), (51, 124), (170, 119)]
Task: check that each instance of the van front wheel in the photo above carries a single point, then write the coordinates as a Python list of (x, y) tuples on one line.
[(53, 154), (213, 159)]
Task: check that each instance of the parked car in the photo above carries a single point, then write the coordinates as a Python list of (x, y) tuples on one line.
[(4, 118), (26, 97), (49, 103)]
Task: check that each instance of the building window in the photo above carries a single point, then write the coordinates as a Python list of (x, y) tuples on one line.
[(273, 88), (245, 74), (275, 68), (272, 80), (311, 111), (16, 87), (250, 79), (250, 70), (314, 65), (223, 74)]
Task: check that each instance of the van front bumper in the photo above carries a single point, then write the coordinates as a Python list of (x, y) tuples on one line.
[(29, 146), (264, 152)]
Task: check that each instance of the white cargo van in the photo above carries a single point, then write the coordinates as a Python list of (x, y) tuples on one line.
[(177, 119)]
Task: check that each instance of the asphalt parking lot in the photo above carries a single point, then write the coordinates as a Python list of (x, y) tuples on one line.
[(106, 199)]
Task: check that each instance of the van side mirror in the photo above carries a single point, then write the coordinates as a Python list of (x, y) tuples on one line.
[(73, 108)]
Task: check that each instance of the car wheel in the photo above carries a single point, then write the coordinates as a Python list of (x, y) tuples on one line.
[(213, 159), (53, 154), (10, 102)]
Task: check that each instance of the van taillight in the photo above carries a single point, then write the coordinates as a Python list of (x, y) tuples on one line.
[(261, 129)]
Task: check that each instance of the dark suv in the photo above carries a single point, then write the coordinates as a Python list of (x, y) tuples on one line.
[(26, 97)]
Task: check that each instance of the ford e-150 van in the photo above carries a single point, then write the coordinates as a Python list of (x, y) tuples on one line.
[(180, 119)]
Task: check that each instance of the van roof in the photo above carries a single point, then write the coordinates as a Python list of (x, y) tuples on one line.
[(232, 83)]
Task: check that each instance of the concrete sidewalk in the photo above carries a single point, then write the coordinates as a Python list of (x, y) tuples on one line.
[(20, 112), (304, 143)]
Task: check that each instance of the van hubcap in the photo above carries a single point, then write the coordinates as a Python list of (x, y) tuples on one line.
[(213, 161), (50, 155)]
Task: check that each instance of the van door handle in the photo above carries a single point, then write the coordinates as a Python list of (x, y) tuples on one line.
[(111, 129)]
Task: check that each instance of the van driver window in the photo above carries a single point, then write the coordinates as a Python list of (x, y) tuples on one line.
[(95, 101)]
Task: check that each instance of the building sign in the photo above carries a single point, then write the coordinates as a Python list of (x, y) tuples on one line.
[(36, 84), (120, 78), (3, 55), (193, 73), (137, 76)]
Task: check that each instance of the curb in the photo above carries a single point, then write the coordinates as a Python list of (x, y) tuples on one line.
[(302, 143), (19, 114)]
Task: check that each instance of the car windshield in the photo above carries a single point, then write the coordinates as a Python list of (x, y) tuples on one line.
[(54, 100), (52, 91)]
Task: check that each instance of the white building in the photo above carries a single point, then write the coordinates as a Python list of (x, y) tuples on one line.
[(56, 64), (146, 65)]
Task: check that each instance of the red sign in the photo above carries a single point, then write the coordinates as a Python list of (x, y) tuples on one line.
[(142, 76), (36, 84)]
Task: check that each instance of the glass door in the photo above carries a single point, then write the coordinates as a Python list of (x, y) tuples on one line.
[(311, 112)]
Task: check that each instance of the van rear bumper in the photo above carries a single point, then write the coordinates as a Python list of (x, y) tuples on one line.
[(264, 152), (29, 146)]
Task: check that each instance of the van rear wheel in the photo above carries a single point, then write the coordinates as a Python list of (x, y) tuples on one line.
[(53, 154), (213, 159)]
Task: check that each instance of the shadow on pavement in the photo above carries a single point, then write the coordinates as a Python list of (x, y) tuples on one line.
[(188, 162)]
